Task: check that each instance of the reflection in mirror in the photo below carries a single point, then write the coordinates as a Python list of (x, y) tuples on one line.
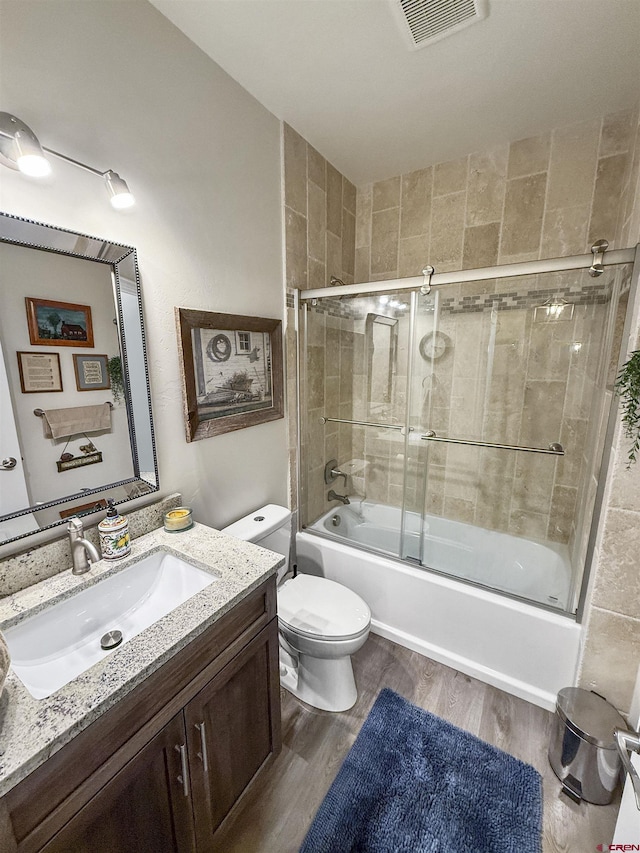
[(381, 336), (70, 311)]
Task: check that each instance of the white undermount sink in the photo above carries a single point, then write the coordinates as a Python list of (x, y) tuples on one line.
[(56, 645)]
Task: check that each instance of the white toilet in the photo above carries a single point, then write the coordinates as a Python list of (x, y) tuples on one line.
[(322, 623)]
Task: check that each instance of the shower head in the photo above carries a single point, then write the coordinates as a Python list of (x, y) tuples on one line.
[(334, 280)]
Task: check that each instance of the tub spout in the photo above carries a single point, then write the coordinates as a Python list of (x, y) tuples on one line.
[(332, 496)]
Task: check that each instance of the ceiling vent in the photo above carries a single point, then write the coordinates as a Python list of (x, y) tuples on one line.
[(427, 21)]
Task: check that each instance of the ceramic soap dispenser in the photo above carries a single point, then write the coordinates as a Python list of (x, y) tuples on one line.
[(114, 534)]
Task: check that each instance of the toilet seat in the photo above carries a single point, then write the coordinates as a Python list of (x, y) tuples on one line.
[(319, 608)]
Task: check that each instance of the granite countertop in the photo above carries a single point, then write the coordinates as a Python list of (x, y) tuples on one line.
[(31, 730)]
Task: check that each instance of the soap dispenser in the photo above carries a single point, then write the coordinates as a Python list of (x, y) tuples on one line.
[(114, 534)]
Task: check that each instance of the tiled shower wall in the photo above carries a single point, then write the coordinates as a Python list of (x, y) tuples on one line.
[(611, 648), (583, 181)]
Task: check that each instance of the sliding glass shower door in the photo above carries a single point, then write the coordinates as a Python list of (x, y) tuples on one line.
[(505, 405)]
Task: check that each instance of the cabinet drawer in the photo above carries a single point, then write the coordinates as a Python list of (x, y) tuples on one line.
[(40, 805)]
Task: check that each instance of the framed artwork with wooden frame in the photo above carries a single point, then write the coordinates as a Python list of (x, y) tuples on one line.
[(226, 386), (58, 324), (39, 371)]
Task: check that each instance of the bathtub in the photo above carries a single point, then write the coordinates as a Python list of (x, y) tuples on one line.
[(524, 650)]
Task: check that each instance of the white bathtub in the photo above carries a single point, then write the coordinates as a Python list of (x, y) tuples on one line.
[(537, 571), (522, 649)]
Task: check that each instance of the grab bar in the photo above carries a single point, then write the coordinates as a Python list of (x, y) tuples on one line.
[(398, 427), (554, 449)]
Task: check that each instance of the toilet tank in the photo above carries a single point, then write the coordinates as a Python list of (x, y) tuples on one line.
[(269, 526)]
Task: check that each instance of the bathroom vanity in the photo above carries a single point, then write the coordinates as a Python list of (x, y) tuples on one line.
[(150, 748)]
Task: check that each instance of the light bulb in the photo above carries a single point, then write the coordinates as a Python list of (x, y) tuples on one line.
[(119, 193)]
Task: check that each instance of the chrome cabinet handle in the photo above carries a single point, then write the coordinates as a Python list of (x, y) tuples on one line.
[(203, 746), (9, 463), (183, 778), (629, 741)]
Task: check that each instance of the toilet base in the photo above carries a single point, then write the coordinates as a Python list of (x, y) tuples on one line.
[(325, 684)]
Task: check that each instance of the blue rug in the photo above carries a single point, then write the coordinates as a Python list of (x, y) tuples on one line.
[(413, 783)]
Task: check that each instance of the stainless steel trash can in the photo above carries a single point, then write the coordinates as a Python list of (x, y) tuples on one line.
[(582, 751)]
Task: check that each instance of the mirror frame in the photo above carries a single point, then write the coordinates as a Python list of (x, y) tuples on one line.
[(17, 230)]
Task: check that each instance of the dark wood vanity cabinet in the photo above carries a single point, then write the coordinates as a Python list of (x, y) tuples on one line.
[(170, 784)]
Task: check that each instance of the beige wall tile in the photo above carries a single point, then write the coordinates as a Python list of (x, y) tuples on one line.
[(542, 413), (481, 246), (529, 156), (413, 256), (617, 585), (317, 223), (616, 134), (362, 266), (563, 510), (295, 170), (415, 214), (606, 199), (572, 168), (523, 210), (364, 200), (317, 167), (486, 188), (349, 195), (348, 242), (447, 231), (296, 249), (334, 255), (386, 194), (317, 274), (625, 491), (610, 658), (450, 177), (334, 200), (533, 483), (528, 524), (385, 229), (564, 231)]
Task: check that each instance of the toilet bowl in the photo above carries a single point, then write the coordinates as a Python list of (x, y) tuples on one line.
[(321, 623)]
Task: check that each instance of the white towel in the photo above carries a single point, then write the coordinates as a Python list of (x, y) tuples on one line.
[(76, 420)]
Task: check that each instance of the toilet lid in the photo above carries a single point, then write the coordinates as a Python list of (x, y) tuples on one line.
[(318, 607)]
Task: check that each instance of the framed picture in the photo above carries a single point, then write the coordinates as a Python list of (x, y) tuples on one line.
[(59, 324), (39, 371), (91, 372), (83, 509), (232, 371)]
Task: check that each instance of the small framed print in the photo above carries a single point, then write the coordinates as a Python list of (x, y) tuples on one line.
[(39, 372), (58, 324), (92, 373)]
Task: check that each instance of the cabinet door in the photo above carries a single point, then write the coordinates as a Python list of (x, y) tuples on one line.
[(233, 729), (145, 808)]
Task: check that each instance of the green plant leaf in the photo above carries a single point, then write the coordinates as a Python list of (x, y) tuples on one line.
[(627, 387)]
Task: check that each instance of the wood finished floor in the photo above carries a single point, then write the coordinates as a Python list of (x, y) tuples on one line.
[(275, 815)]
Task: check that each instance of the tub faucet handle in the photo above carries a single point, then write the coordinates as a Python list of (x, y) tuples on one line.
[(332, 472), (332, 496)]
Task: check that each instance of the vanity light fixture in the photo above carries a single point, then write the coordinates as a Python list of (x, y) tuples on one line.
[(20, 149)]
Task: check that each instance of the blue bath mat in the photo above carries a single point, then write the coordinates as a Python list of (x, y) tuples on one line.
[(413, 783)]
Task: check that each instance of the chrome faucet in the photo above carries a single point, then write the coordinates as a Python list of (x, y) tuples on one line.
[(342, 498), (81, 548)]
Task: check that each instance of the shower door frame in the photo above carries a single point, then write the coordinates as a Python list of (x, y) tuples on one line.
[(427, 281)]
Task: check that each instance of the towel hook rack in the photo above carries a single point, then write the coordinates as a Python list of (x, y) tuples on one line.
[(39, 413)]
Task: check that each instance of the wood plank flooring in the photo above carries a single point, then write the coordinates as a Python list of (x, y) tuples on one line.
[(275, 815)]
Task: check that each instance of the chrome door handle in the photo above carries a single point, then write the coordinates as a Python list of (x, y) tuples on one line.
[(629, 741), (202, 755), (8, 463), (184, 777)]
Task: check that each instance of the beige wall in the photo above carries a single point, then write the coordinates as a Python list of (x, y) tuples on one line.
[(117, 86)]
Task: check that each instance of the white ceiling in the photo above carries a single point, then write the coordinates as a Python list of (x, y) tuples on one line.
[(340, 72)]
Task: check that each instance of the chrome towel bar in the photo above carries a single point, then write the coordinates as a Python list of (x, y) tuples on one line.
[(554, 449)]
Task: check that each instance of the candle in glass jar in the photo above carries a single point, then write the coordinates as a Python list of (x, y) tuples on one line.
[(178, 519)]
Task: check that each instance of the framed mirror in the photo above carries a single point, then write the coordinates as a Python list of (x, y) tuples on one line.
[(76, 426)]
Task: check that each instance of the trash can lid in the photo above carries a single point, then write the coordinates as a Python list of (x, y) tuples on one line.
[(589, 716)]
